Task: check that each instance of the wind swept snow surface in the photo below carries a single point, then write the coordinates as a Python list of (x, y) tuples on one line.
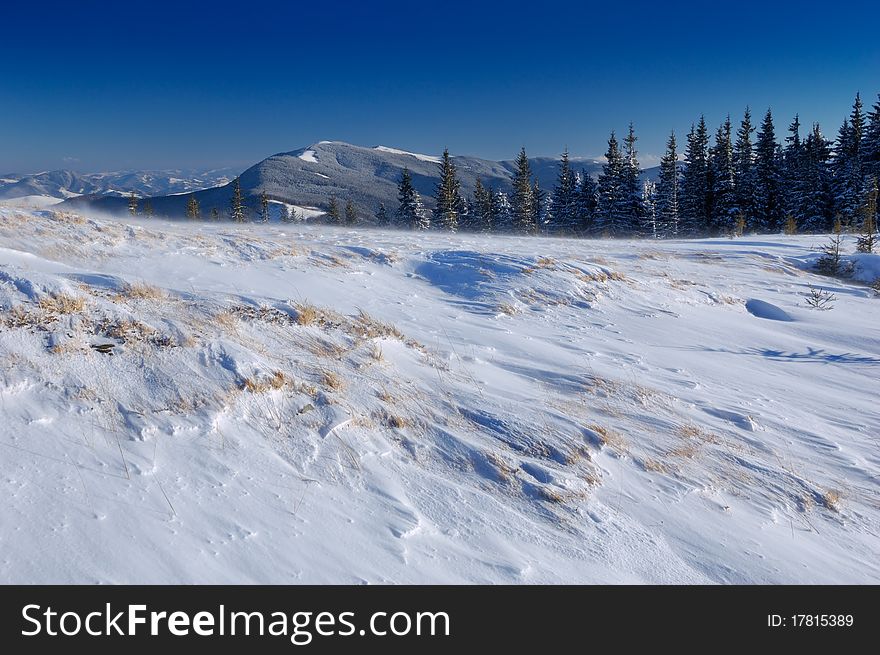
[(201, 403)]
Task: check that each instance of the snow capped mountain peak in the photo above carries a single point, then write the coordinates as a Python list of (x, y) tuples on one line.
[(420, 157)]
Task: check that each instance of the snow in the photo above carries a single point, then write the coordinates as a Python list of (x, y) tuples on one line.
[(395, 151), (34, 202), (516, 410), (866, 267), (309, 156)]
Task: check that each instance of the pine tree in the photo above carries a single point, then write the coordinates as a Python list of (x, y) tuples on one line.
[(794, 165), (215, 214), (563, 218), (287, 215), (334, 214), (667, 192), (522, 198), (540, 207), (849, 182), (502, 212), (264, 207), (382, 219), (236, 204), (871, 143), (411, 212), (448, 196), (818, 205), (148, 208), (351, 214), (192, 208), (611, 219), (631, 186), (768, 178), (694, 191), (132, 204), (482, 209), (744, 171), (649, 204), (722, 212), (586, 202), (868, 239)]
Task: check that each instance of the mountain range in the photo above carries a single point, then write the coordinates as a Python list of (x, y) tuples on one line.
[(68, 183), (307, 178)]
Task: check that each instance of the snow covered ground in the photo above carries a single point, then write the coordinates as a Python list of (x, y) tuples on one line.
[(205, 403)]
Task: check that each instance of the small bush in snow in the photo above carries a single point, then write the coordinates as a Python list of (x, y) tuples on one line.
[(820, 299)]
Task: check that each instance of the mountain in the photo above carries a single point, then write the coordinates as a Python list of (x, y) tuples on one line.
[(308, 177), (67, 184)]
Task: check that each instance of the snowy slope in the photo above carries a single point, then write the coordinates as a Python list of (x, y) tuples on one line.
[(208, 403)]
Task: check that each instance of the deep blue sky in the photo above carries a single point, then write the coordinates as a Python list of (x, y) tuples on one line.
[(97, 86)]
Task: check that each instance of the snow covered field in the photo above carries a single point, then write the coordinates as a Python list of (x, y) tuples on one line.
[(282, 404)]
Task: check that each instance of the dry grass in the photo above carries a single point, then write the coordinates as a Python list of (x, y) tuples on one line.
[(601, 276), (609, 438), (143, 291), (306, 314), (384, 395), (332, 381), (371, 328), (507, 308), (389, 420), (832, 499), (61, 303), (654, 465), (277, 380)]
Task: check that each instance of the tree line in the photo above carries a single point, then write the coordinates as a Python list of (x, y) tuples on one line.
[(742, 180)]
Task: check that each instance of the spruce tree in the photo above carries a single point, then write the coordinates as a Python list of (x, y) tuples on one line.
[(482, 209), (871, 143), (631, 187), (667, 192), (818, 204), (794, 164), (264, 207), (192, 208), (411, 212), (540, 207), (215, 214), (334, 214), (768, 178), (744, 171), (586, 204), (849, 182), (351, 215), (132, 204), (522, 197), (868, 239), (382, 219), (611, 219), (694, 191), (236, 204), (448, 196), (722, 217), (648, 226), (563, 218), (148, 208), (502, 212)]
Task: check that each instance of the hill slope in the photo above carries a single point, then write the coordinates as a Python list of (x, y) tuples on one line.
[(206, 403), (367, 176)]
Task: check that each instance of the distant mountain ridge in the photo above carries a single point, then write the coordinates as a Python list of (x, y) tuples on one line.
[(66, 183), (310, 176)]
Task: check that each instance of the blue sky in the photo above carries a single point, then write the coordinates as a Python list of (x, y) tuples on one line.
[(100, 85)]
